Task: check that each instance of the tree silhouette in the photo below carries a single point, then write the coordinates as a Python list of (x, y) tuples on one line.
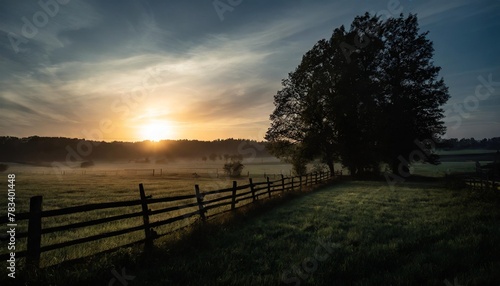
[(233, 169), (363, 103)]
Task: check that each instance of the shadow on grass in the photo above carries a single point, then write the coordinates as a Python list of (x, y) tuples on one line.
[(119, 267), (421, 234)]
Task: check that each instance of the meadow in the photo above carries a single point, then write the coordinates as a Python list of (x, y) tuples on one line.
[(109, 182), (113, 182), (346, 233)]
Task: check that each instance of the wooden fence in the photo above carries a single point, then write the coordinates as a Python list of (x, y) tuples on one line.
[(207, 204), (482, 183), (485, 178)]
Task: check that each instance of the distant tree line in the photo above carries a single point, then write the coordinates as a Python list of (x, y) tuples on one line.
[(226, 157), (48, 149), (470, 143)]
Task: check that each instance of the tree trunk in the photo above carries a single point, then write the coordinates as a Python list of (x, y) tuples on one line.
[(331, 167)]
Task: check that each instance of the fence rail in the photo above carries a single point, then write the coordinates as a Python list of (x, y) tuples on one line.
[(203, 202), (481, 183)]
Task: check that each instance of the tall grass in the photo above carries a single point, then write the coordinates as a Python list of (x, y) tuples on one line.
[(356, 233)]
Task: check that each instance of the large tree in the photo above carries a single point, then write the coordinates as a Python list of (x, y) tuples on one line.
[(412, 94), (363, 97)]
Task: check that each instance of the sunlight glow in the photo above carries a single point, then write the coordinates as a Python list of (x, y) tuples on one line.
[(156, 131)]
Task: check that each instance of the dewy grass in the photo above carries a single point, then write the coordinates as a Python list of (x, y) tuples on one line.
[(355, 233)]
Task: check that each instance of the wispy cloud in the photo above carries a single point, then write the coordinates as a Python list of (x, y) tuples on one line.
[(212, 79)]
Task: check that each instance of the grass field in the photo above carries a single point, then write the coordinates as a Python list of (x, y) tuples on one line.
[(353, 233), (78, 187), (110, 184)]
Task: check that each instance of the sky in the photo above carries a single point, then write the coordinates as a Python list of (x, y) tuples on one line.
[(203, 69)]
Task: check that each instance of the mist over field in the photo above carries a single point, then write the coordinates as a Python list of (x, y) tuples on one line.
[(238, 142)]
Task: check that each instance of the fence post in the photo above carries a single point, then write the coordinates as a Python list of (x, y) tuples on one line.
[(233, 202), (145, 218), (268, 187), (252, 189), (292, 184), (199, 199), (307, 176), (34, 232), (316, 178), (282, 183), (300, 183)]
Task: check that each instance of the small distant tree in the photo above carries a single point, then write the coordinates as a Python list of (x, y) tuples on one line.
[(204, 158), (3, 167), (233, 169), (212, 157)]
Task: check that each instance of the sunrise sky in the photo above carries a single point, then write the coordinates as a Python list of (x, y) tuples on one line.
[(135, 70)]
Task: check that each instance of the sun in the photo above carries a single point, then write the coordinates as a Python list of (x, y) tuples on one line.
[(156, 131)]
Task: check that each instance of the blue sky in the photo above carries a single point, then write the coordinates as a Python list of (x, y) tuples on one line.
[(132, 70)]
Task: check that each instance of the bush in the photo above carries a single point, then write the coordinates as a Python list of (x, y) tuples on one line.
[(233, 169), (3, 167), (319, 167)]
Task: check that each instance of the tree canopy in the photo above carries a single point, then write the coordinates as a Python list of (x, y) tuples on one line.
[(362, 97)]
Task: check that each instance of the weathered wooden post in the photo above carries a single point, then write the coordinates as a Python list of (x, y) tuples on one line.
[(233, 202), (292, 184), (268, 187), (300, 183), (199, 199), (252, 189), (34, 233), (145, 218), (282, 183)]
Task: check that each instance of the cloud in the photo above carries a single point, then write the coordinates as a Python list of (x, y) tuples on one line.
[(194, 70)]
